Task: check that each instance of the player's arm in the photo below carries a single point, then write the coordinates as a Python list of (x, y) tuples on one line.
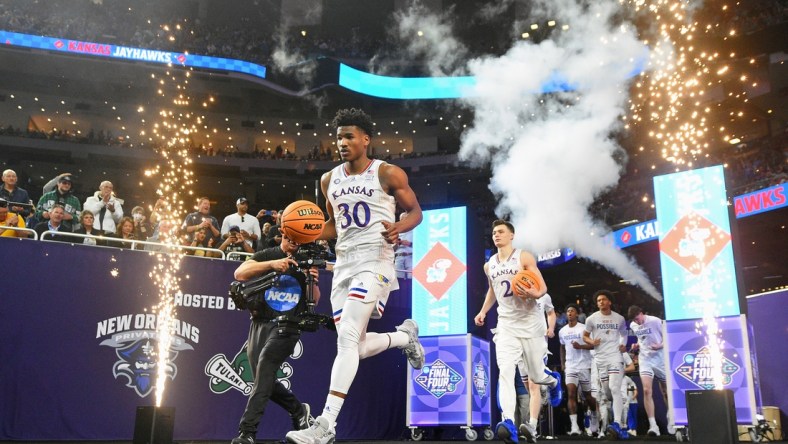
[(489, 301), (395, 182), (563, 353), (587, 338), (551, 317), (622, 336), (329, 227), (528, 262)]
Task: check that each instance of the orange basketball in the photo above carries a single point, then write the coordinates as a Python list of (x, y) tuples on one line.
[(302, 222), (525, 278)]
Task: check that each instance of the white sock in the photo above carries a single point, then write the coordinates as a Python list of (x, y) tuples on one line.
[(399, 339), (332, 408), (573, 420), (652, 422), (532, 421)]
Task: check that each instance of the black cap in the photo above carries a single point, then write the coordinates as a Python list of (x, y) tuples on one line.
[(235, 228), (66, 178)]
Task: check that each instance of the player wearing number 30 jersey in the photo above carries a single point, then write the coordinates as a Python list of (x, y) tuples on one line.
[(362, 195)]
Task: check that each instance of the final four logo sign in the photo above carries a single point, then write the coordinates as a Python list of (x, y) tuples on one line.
[(697, 369), (480, 379), (238, 374), (136, 340), (438, 378)]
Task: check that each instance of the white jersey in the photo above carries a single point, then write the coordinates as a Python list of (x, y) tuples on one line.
[(545, 305), (360, 205), (648, 334), (612, 331), (576, 359), (522, 318)]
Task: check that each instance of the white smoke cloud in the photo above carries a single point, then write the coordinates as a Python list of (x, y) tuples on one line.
[(551, 155), (437, 46)]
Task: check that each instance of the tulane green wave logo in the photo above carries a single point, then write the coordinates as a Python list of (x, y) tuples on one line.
[(237, 374)]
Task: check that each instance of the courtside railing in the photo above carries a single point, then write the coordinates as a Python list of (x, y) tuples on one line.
[(148, 246)]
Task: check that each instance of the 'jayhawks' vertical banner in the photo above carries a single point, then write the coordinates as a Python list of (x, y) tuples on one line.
[(695, 244), (453, 387), (689, 365), (440, 281)]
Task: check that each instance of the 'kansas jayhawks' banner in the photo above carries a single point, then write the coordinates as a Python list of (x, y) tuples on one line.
[(440, 279), (130, 53)]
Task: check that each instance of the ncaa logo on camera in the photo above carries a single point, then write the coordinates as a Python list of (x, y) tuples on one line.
[(285, 295)]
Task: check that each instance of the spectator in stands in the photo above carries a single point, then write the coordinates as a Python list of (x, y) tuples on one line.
[(15, 195), (274, 238), (86, 220), (9, 219), (142, 228), (236, 242), (106, 207), (199, 240), (62, 196), (248, 225), (125, 235), (202, 219), (158, 211), (55, 222)]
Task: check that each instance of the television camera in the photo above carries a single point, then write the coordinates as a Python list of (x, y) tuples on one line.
[(286, 297)]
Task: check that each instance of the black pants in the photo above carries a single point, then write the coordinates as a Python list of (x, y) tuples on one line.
[(267, 349)]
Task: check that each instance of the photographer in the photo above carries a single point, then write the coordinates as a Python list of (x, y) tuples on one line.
[(268, 347)]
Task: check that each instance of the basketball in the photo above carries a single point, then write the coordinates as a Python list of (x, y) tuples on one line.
[(302, 222), (525, 278)]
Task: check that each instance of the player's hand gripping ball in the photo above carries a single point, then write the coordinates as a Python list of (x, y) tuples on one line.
[(526, 279), (302, 222)]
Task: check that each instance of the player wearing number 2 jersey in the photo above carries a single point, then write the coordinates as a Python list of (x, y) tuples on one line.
[(520, 331), (362, 195)]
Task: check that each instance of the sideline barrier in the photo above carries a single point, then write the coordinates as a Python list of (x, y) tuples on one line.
[(77, 328), (26, 230), (158, 247)]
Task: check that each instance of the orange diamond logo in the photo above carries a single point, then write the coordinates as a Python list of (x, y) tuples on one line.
[(694, 242), (438, 270)]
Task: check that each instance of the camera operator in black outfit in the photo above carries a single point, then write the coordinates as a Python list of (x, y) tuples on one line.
[(272, 340)]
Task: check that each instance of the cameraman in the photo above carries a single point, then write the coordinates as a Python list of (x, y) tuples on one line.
[(267, 347)]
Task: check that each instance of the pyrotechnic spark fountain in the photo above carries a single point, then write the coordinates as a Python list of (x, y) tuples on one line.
[(673, 96), (171, 134)]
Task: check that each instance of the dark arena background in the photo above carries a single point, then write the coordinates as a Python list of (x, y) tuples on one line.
[(232, 100)]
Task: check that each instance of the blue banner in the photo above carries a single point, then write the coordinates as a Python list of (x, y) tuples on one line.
[(689, 365), (440, 278), (78, 336), (696, 253), (130, 53), (760, 201), (454, 387)]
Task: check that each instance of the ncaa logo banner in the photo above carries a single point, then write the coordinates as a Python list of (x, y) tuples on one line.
[(440, 281), (453, 387), (690, 364)]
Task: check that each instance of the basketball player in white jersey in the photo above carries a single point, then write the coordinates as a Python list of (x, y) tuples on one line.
[(520, 331), (362, 195), (648, 330), (576, 363), (606, 330)]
